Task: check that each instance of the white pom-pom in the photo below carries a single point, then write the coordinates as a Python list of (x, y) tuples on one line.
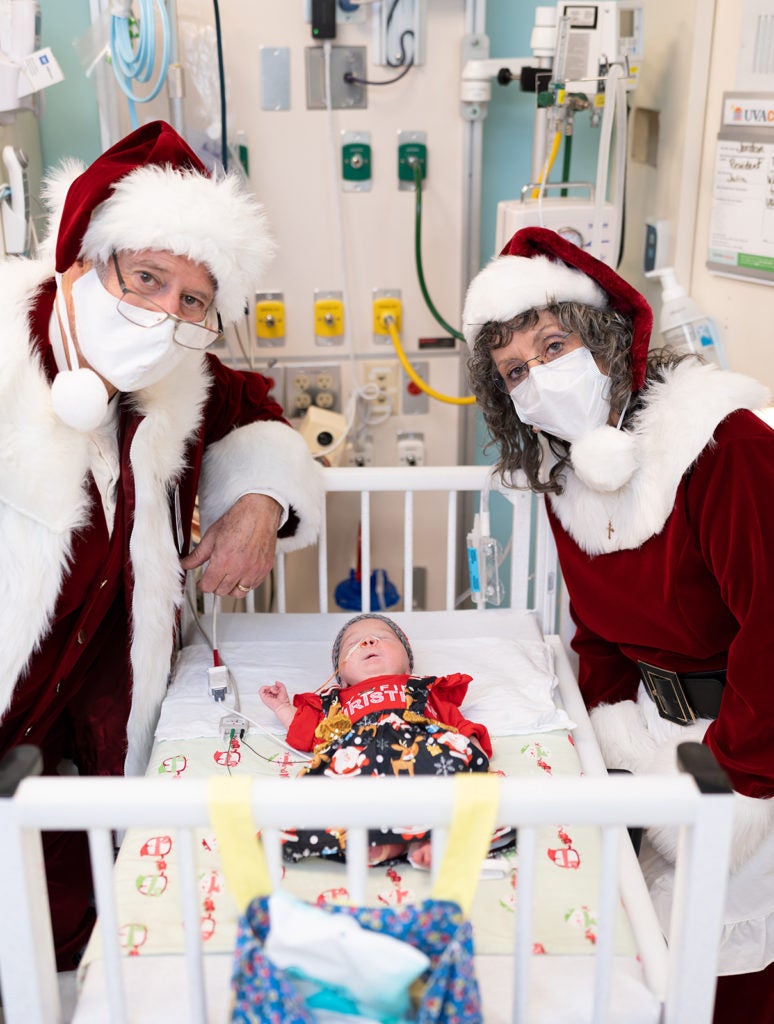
[(79, 398), (604, 459)]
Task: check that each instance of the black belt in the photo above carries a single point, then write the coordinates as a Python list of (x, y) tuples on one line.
[(685, 696)]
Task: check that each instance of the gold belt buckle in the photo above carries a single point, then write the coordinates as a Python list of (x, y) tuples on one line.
[(654, 678)]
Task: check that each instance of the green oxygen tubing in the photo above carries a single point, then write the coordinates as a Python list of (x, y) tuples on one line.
[(389, 321)]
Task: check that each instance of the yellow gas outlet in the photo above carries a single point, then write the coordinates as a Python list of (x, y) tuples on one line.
[(270, 321), (328, 318), (387, 307)]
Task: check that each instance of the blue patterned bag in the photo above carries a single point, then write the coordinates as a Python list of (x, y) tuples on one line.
[(265, 993)]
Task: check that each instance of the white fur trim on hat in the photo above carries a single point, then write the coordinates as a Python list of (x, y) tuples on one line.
[(213, 222), (510, 285)]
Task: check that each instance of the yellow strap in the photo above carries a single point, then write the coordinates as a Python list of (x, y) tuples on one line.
[(475, 814), (477, 797), (241, 853)]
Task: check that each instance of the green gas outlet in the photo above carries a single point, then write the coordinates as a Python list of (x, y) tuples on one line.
[(412, 151), (356, 161)]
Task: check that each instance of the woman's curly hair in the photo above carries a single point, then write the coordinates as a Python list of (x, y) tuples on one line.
[(608, 336)]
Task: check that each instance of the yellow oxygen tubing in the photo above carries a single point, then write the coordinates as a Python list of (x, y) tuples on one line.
[(547, 165), (389, 323)]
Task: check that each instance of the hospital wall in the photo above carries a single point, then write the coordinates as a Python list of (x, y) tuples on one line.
[(687, 129), (690, 57)]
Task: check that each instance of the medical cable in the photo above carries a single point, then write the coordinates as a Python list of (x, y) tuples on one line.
[(274, 736), (222, 84), (411, 372), (217, 662), (387, 22), (403, 63), (417, 168), (270, 759), (351, 79), (367, 393), (212, 643), (130, 64)]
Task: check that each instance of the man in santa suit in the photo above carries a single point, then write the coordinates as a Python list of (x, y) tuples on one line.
[(659, 480), (114, 419)]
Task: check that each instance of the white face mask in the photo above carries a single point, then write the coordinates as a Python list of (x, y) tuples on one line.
[(128, 356), (568, 397)]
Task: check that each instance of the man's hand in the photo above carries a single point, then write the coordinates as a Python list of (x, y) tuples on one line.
[(239, 547)]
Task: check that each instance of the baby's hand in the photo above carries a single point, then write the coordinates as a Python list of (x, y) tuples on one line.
[(275, 696)]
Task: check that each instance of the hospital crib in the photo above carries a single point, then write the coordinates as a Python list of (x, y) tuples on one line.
[(675, 981)]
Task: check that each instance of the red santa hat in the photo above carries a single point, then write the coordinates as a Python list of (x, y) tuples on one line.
[(151, 191), (538, 268)]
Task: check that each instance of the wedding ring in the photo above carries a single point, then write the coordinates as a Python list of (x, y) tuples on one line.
[(245, 590)]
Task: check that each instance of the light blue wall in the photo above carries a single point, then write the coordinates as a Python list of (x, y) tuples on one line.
[(507, 145), (508, 133), (69, 122), (508, 129), (507, 149)]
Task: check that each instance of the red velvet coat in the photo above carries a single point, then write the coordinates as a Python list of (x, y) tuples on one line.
[(88, 621), (697, 592)]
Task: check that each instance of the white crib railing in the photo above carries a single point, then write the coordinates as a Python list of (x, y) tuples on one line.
[(533, 564), (100, 805)]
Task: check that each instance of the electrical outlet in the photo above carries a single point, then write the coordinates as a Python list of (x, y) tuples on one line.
[(299, 403), (385, 376), (312, 385), (325, 399)]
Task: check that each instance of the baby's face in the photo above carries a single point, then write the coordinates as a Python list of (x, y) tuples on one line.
[(370, 648)]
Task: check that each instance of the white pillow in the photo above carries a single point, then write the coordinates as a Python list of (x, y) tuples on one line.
[(513, 686), (512, 692)]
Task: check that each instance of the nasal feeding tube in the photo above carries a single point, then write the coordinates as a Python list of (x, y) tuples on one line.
[(364, 642)]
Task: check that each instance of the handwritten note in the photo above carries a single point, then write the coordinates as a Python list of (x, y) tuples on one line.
[(742, 227)]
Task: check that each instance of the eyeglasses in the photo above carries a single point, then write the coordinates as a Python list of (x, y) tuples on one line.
[(186, 333), (553, 347)]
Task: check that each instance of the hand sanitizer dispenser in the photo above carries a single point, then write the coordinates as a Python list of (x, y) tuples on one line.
[(682, 326)]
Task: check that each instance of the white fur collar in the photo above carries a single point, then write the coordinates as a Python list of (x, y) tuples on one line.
[(43, 500), (675, 424)]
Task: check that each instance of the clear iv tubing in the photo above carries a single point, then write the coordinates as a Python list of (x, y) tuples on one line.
[(615, 110), (137, 65), (483, 506)]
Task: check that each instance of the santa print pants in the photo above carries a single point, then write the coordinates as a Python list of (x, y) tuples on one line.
[(390, 749)]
